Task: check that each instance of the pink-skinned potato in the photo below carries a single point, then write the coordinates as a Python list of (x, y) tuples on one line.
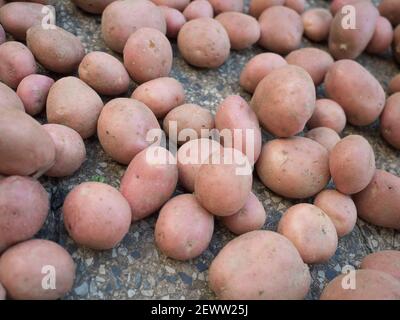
[(336, 5), (258, 6), (386, 261), (173, 4), (382, 38), (317, 23), (198, 9), (328, 114), (297, 5), (92, 6), (220, 6), (396, 44), (9, 99), (326, 137), (389, 125), (174, 20), (390, 9), (394, 84)]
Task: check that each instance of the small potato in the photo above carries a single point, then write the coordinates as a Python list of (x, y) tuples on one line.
[(173, 4), (220, 6), (243, 30), (123, 17), (259, 265), (296, 5), (190, 156), (104, 73), (96, 215), (25, 267), (328, 114), (396, 44), (2, 290), (56, 49), (251, 217), (379, 202), (382, 38), (183, 229), (198, 9), (315, 61), (24, 205), (336, 5), (394, 84), (188, 122), (390, 119), (73, 103), (33, 91), (149, 181), (390, 9), (160, 95), (174, 20), (259, 67), (123, 128), (326, 137), (284, 100), (9, 99), (340, 208), (92, 6), (352, 164), (70, 150), (370, 285), (347, 82), (2, 35), (204, 43), (294, 168), (387, 261), (17, 62), (317, 22), (258, 6), (281, 30)]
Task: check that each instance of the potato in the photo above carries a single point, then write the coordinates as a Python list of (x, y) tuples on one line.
[(204, 43), (328, 114), (187, 122), (296, 5), (92, 6), (123, 17), (259, 67), (251, 217), (294, 168), (70, 150), (227, 5), (317, 22), (27, 269), (258, 6), (284, 101), (173, 4), (123, 128), (149, 181), (394, 84), (396, 44), (96, 215), (190, 156), (311, 231), (390, 118), (326, 137), (104, 73), (198, 9), (2, 290), (336, 5), (379, 202), (174, 20), (369, 285), (9, 99), (315, 61), (352, 164), (223, 182), (259, 265), (349, 43), (56, 49), (281, 29), (340, 208), (148, 55), (183, 229), (238, 127), (387, 261), (17, 62), (382, 38), (348, 83), (243, 30), (33, 91), (390, 9), (24, 205), (25, 147)]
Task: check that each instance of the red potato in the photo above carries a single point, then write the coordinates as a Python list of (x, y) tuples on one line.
[(336, 5), (317, 22), (174, 20), (92, 6), (390, 9), (382, 38), (198, 9), (326, 137), (227, 5), (2, 35), (9, 99), (296, 5), (258, 6), (328, 114), (394, 84), (390, 129), (173, 4), (387, 261)]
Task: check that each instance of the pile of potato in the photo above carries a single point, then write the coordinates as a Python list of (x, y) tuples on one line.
[(307, 151)]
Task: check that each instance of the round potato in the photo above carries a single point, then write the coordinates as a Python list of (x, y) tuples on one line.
[(227, 5), (9, 99), (258, 6), (92, 6), (173, 4), (394, 84), (382, 38), (259, 265), (24, 205), (391, 10), (198, 9), (296, 5), (328, 114), (387, 261), (396, 44), (352, 164), (390, 118), (294, 168), (326, 137), (317, 23), (174, 20), (27, 271)]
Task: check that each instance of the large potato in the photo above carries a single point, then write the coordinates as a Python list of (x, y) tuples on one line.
[(382, 38), (175, 4), (37, 270), (92, 6), (328, 114), (284, 101), (386, 261), (24, 205), (227, 5), (295, 168), (391, 10), (9, 99), (390, 120), (123, 128), (73, 103), (326, 137), (174, 20), (149, 181), (259, 265), (183, 229), (198, 9), (258, 6), (356, 90), (317, 23)]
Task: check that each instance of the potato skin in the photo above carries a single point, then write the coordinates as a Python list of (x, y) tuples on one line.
[(328, 114), (390, 118), (173, 4), (96, 215), (317, 23), (287, 94), (198, 9), (336, 5), (352, 164), (183, 229), (326, 137), (21, 270), (62, 107), (220, 6), (92, 6), (104, 73), (174, 20), (243, 269), (379, 202), (347, 83), (70, 150), (394, 84), (387, 261), (390, 9), (258, 6), (148, 184), (296, 167), (296, 5), (9, 99), (382, 38), (123, 127), (24, 205)]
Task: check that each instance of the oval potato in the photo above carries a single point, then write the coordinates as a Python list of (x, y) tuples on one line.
[(198, 9), (328, 114), (326, 137), (386, 261), (317, 23), (390, 129)]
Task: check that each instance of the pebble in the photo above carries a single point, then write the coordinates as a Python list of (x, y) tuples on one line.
[(170, 270), (82, 290), (89, 261), (147, 293), (131, 293), (102, 269)]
